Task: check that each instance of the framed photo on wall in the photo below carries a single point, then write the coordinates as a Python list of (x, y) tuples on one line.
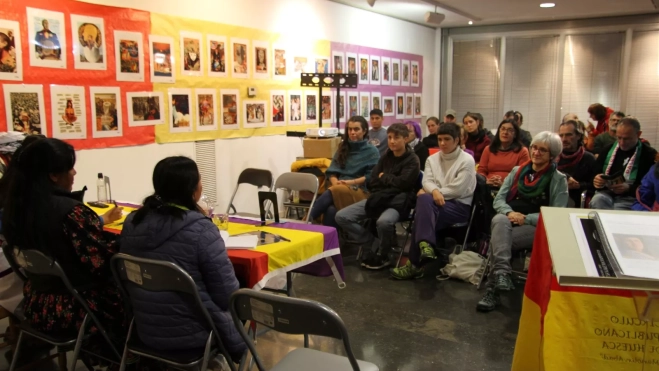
[(409, 105), (417, 105), (353, 104), (311, 107), (296, 107), (180, 111), (338, 62), (256, 113), (300, 65), (48, 45), (69, 112), (145, 108), (327, 108), (89, 39), (230, 108), (375, 70), (322, 64), (240, 58), (12, 60), (161, 55), (206, 109), (376, 100), (261, 59), (365, 104), (351, 63), (385, 79), (364, 60), (217, 55), (405, 74), (395, 72), (106, 111), (192, 62), (279, 63), (278, 102), (400, 105), (342, 107), (129, 51), (388, 106), (415, 73), (25, 109)]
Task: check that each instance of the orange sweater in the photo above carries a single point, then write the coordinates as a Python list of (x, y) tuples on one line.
[(501, 163)]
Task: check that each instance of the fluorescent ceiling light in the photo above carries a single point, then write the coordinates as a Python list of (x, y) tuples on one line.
[(547, 5), (471, 22)]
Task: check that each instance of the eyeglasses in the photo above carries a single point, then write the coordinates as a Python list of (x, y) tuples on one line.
[(506, 130), (542, 150)]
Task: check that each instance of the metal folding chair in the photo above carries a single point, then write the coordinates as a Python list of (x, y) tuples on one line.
[(256, 177), (295, 316), (298, 182), (153, 275)]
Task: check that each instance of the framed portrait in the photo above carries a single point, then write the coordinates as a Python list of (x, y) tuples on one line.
[(376, 100), (385, 78), (192, 62), (388, 106), (409, 105), (255, 112), (326, 107), (261, 59), (295, 107), (217, 62), (405, 73), (353, 104), (311, 107), (375, 70), (395, 71), (89, 39), (342, 107), (69, 112), (229, 106), (322, 65), (145, 108), (278, 103), (11, 54), (106, 112), (417, 105), (25, 109), (206, 109), (351, 63), (338, 62), (400, 105), (300, 65), (415, 73), (180, 111), (129, 50), (161, 55), (364, 61), (279, 63), (240, 58), (47, 38), (365, 104)]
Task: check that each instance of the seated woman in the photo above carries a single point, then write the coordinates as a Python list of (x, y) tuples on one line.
[(415, 143), (431, 140), (647, 195), (348, 173), (171, 227), (478, 137), (504, 153), (40, 213), (449, 181), (528, 187), (463, 140)]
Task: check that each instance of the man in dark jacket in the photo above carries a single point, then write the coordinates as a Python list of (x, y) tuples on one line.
[(621, 167), (575, 162), (392, 186)]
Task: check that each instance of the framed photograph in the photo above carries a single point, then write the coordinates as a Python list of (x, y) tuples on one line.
[(192, 63), (364, 61), (106, 111), (278, 103), (69, 113), (145, 108), (295, 107), (338, 62), (405, 72), (129, 49), (365, 104), (48, 45), (326, 108), (311, 107), (376, 100), (322, 65), (11, 54), (217, 62), (24, 105), (388, 106), (375, 70), (415, 73), (280, 63), (395, 71), (342, 107), (400, 105), (417, 105), (89, 39), (255, 112), (240, 58), (229, 104), (161, 55), (206, 109), (353, 104), (351, 63), (385, 79), (262, 60), (409, 105), (301, 65), (180, 111)]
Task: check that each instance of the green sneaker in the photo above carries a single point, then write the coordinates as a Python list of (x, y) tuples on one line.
[(407, 272), (489, 302), (427, 251)]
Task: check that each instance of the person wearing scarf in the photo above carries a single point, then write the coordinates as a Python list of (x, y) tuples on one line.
[(628, 159), (415, 142), (575, 162), (601, 114), (478, 138), (647, 195), (525, 190)]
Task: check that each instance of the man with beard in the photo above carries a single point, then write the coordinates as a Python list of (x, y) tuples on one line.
[(575, 162)]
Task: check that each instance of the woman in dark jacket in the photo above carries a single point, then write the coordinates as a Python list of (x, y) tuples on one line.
[(414, 141), (171, 227), (477, 137)]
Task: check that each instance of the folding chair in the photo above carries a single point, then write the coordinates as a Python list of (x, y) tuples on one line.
[(35, 262), (131, 273), (295, 316), (298, 182), (256, 177)]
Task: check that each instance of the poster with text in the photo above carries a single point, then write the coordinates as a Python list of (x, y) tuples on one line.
[(11, 54), (255, 112), (278, 102), (280, 64), (130, 56), (47, 38), (25, 109), (261, 59), (106, 112), (217, 60), (296, 107), (69, 112), (240, 58), (206, 109), (145, 108), (230, 103), (192, 62), (88, 41), (162, 59), (180, 111)]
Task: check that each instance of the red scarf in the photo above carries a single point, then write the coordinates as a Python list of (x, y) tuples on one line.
[(573, 159), (528, 186)]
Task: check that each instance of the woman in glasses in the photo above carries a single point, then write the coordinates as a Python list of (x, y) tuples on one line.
[(504, 153)]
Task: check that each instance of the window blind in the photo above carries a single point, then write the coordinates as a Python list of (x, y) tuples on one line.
[(643, 84)]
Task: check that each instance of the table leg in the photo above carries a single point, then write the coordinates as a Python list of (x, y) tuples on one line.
[(337, 275)]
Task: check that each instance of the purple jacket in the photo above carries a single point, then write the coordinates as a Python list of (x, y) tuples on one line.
[(648, 192)]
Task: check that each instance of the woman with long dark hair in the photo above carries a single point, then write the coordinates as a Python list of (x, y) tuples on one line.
[(478, 138), (348, 173), (171, 227), (504, 153)]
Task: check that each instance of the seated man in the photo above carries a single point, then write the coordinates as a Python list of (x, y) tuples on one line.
[(392, 187), (527, 188), (621, 167), (449, 181), (575, 162)]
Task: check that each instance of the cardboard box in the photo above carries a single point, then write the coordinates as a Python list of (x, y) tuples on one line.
[(320, 147)]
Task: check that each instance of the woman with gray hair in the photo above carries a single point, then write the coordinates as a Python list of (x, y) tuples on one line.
[(525, 190)]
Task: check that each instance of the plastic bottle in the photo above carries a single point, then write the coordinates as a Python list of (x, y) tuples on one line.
[(100, 188)]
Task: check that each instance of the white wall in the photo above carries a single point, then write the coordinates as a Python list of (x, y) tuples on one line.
[(130, 168)]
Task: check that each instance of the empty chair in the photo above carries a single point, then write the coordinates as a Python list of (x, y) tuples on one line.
[(256, 177), (298, 182), (297, 317)]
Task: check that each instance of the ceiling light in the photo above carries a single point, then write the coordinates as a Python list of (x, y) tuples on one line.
[(547, 5), (471, 22)]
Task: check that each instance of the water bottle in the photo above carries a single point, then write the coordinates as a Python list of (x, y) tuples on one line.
[(100, 189)]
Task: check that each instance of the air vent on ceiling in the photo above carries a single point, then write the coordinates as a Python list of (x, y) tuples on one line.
[(204, 152)]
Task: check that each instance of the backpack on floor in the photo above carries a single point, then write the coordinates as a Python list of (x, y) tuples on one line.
[(463, 266)]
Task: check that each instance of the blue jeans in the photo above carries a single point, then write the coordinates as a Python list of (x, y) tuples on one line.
[(324, 205), (606, 200), (350, 219)]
